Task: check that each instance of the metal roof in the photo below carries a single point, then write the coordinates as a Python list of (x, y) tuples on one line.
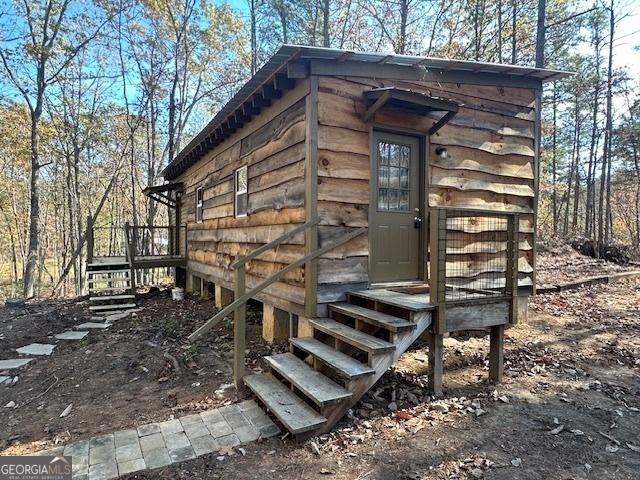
[(288, 53)]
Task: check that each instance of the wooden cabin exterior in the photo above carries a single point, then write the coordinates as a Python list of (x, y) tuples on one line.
[(417, 176)]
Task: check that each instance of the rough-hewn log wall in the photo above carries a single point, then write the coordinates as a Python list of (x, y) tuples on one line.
[(490, 163), (273, 147)]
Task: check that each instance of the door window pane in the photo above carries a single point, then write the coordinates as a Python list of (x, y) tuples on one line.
[(383, 176), (393, 176), (383, 203)]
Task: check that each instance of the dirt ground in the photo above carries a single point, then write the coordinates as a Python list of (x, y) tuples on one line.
[(558, 264), (116, 378), (569, 406)]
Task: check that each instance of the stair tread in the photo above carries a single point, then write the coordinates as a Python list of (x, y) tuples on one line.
[(341, 362), (320, 389), (106, 289), (109, 280), (115, 306), (413, 303), (295, 415), (105, 272), (104, 298), (352, 336), (379, 319)]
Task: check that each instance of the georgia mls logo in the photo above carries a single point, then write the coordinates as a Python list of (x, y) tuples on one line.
[(35, 468)]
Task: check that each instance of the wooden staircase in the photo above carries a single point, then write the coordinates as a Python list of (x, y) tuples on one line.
[(314, 385), (110, 288)]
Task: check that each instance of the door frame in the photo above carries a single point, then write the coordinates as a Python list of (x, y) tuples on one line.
[(423, 182)]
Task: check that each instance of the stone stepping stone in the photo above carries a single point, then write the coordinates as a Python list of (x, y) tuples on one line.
[(14, 363), (71, 335), (92, 325), (36, 349)]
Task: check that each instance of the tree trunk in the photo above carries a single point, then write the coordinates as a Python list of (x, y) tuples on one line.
[(34, 208), (540, 33), (325, 24)]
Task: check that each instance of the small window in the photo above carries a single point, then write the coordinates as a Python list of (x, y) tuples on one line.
[(241, 192), (199, 204)]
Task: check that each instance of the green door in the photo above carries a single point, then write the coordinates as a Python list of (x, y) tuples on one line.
[(395, 214)]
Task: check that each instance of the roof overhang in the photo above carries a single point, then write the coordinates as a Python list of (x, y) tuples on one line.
[(292, 62), (414, 102)]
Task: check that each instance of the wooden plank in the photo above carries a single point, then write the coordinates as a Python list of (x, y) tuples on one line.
[(476, 181), (352, 336), (465, 158), (439, 197), (477, 317), (343, 190), (378, 319), (337, 139), (343, 364), (239, 327), (109, 272), (313, 384), (343, 165), (295, 415), (274, 129), (109, 298), (486, 141), (311, 199), (413, 303)]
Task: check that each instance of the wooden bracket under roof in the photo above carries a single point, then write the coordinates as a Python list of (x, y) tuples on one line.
[(159, 193), (409, 100)]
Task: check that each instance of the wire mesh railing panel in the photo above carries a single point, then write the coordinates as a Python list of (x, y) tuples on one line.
[(109, 242), (158, 241), (478, 254)]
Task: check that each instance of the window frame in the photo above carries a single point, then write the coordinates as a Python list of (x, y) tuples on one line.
[(199, 204), (238, 193)]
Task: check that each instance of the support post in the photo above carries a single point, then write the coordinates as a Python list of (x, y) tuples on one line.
[(275, 324), (436, 369), (496, 353), (239, 328), (437, 266), (304, 327), (223, 296), (131, 255), (189, 284), (90, 239), (311, 198), (513, 226), (204, 289)]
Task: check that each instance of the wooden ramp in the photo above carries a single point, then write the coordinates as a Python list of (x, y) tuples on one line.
[(314, 385)]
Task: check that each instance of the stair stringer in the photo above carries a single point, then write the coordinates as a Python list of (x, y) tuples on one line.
[(381, 363)]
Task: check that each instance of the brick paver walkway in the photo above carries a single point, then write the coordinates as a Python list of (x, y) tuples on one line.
[(159, 444)]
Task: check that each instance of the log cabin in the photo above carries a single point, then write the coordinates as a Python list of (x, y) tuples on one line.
[(365, 200)]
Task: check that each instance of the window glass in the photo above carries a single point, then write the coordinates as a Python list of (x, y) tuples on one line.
[(241, 191), (393, 176), (199, 204)]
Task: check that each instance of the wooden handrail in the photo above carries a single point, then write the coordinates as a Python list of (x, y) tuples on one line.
[(274, 243), (273, 278)]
